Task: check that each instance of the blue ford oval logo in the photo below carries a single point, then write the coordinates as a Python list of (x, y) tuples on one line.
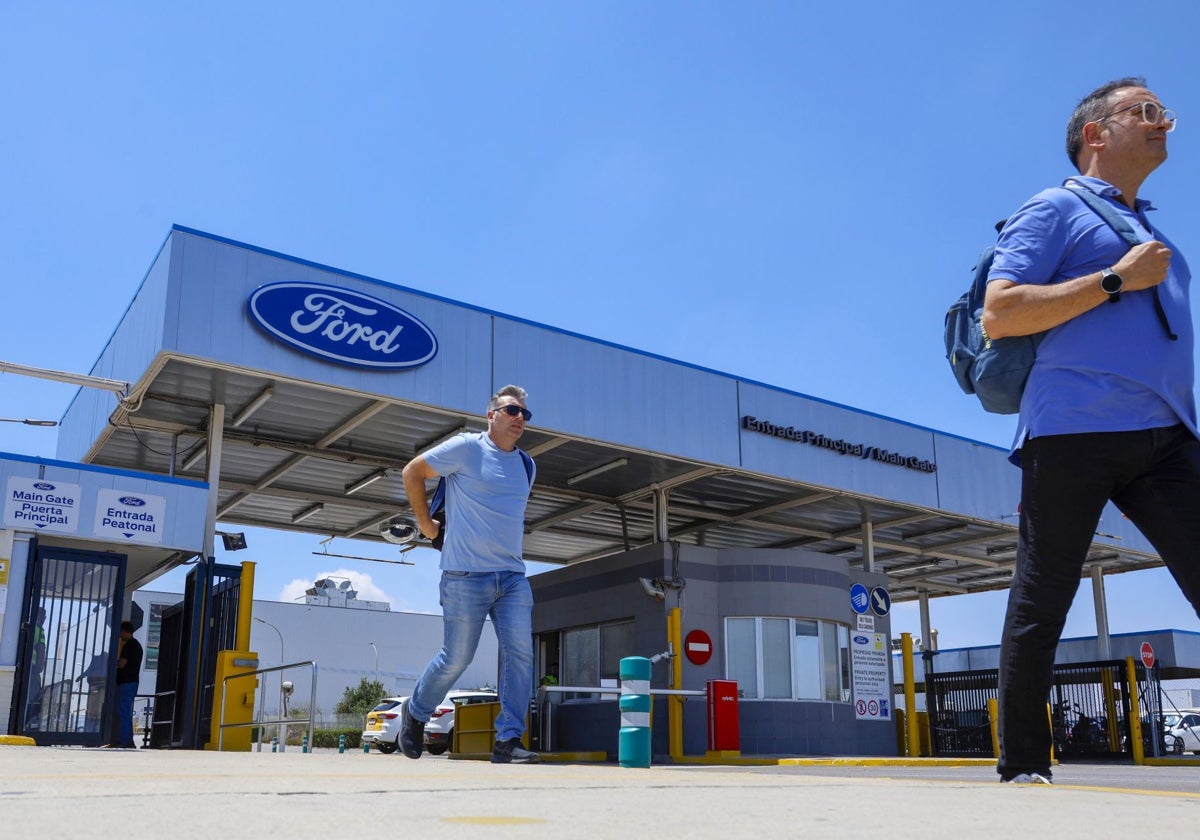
[(43, 485), (132, 501), (861, 640), (342, 326)]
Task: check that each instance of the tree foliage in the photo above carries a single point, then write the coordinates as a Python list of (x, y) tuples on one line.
[(360, 699)]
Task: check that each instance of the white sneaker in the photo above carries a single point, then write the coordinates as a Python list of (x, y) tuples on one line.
[(1028, 779)]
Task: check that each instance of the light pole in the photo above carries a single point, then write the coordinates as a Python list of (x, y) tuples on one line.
[(280, 635), (28, 422), (372, 644)]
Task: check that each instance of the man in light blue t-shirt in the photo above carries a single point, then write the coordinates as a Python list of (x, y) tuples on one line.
[(487, 488), (1109, 411)]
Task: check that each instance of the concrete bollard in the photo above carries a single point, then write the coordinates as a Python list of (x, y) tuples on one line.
[(633, 742), (341, 744), (304, 743)]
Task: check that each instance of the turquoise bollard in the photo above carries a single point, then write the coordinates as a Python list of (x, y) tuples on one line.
[(633, 742)]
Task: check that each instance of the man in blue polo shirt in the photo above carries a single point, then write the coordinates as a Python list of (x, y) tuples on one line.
[(1108, 412), (483, 574)]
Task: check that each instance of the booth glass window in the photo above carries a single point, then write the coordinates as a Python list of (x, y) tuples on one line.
[(616, 643), (593, 654), (741, 654), (788, 658)]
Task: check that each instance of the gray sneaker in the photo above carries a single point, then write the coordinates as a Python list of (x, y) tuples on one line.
[(511, 752), (412, 734), (1029, 779)]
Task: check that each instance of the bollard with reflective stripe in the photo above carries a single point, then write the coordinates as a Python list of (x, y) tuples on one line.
[(633, 743)]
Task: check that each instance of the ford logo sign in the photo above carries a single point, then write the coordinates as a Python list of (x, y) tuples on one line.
[(342, 326), (132, 501), (43, 485), (861, 640)]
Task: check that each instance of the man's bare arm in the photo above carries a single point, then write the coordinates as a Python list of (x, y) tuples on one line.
[(1010, 309), (415, 474)]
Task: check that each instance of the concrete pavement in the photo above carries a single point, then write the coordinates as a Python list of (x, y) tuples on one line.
[(75, 792)]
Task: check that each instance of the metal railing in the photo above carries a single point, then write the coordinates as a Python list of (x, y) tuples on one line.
[(282, 722)]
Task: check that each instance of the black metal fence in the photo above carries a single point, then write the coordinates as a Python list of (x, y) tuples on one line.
[(1089, 710)]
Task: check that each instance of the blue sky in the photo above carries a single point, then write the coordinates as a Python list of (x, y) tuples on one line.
[(789, 192)]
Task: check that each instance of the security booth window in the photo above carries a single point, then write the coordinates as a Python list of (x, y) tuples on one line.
[(788, 658), (591, 654)]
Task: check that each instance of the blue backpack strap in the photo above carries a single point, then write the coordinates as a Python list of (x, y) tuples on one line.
[(528, 462), (438, 500), (1102, 208)]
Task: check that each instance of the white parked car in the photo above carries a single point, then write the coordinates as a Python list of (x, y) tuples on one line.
[(1186, 730), (382, 728), (440, 729)]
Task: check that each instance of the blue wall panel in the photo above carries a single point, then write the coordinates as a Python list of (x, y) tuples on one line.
[(809, 460), (129, 352), (217, 278), (606, 393)]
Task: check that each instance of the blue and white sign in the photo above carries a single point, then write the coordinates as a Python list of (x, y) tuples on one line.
[(860, 598), (129, 517), (870, 677), (342, 326), (34, 504), (881, 601)]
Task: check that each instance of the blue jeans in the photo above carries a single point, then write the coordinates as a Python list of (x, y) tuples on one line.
[(126, 693), (1153, 477), (468, 598)]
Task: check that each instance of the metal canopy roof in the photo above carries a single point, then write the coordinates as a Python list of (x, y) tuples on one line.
[(293, 452)]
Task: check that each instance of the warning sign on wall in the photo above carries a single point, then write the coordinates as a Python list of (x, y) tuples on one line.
[(869, 670)]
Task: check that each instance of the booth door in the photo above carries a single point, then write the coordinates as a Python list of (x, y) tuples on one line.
[(66, 667)]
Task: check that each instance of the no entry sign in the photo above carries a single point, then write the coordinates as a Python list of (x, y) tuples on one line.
[(697, 646)]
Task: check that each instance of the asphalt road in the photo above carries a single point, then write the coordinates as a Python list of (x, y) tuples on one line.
[(52, 792)]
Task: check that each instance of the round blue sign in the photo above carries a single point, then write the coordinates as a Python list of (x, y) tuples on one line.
[(881, 601), (860, 599)]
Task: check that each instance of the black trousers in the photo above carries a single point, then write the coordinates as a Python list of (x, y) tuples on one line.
[(1153, 477)]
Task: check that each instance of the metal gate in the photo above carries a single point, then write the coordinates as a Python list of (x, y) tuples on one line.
[(192, 632), (1089, 710), (65, 691)]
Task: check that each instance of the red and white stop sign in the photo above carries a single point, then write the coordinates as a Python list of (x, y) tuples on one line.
[(1147, 655), (697, 646)]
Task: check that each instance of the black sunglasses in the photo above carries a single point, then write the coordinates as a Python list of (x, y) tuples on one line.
[(514, 410)]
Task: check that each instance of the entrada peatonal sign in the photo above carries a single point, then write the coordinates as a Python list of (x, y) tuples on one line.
[(841, 447)]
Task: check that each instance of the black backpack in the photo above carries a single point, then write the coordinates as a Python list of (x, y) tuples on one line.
[(996, 371), (437, 502)]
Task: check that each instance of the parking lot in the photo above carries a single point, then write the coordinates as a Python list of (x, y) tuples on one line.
[(102, 793)]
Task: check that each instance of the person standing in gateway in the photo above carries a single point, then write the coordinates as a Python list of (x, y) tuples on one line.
[(1109, 411), (129, 671), (483, 574)]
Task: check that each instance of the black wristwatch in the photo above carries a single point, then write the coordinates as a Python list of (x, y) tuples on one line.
[(1111, 284)]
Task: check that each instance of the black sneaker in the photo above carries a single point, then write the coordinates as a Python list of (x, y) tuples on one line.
[(511, 752), (412, 734)]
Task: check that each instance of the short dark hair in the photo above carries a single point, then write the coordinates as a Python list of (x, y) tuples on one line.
[(515, 391), (127, 626), (1091, 108)]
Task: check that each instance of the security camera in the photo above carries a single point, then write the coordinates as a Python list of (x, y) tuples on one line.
[(653, 589), (399, 530), (287, 687)]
